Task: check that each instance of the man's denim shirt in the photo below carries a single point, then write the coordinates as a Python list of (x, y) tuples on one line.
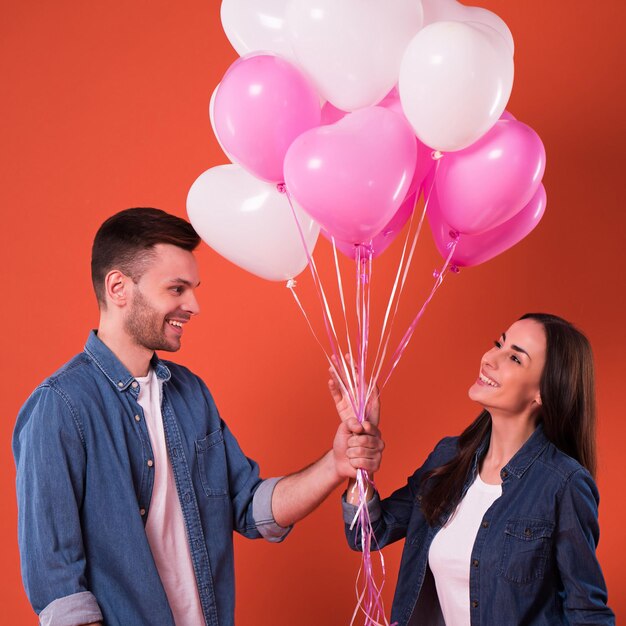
[(533, 561), (84, 481)]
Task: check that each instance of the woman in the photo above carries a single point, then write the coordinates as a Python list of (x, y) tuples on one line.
[(501, 523)]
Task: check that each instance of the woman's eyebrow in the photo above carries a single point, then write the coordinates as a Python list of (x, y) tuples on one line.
[(516, 348)]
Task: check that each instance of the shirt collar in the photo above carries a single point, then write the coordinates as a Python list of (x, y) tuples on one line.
[(522, 459), (527, 454), (113, 368)]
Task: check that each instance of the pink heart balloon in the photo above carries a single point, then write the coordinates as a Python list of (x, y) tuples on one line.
[(425, 163), (262, 104), (386, 236), (352, 176), (486, 184), (475, 249)]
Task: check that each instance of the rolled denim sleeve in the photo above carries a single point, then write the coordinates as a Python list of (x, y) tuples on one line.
[(79, 608), (577, 537), (50, 462), (263, 514), (251, 496)]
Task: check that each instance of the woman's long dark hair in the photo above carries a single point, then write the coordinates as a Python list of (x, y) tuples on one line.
[(568, 415)]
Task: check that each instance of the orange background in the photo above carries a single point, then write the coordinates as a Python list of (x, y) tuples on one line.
[(104, 107)]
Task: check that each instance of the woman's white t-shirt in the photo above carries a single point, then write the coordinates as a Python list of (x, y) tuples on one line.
[(451, 551)]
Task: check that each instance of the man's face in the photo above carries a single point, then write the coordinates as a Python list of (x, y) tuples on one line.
[(163, 299)]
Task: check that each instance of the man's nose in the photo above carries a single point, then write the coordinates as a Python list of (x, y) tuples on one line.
[(191, 304)]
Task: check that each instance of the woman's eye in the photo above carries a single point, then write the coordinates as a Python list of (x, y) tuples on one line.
[(514, 358), (497, 344)]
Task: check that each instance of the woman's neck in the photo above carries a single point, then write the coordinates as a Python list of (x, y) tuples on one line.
[(507, 437)]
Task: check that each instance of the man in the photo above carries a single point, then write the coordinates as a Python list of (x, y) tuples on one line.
[(129, 484)]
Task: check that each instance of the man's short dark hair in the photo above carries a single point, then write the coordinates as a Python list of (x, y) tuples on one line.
[(126, 241)]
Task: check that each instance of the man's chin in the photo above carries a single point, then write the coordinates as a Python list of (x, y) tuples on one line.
[(167, 346)]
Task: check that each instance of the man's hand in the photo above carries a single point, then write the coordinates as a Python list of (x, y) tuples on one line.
[(357, 446)]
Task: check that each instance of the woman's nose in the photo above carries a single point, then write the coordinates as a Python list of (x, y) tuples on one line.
[(490, 359)]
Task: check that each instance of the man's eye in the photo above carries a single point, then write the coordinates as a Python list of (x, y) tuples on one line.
[(177, 290)]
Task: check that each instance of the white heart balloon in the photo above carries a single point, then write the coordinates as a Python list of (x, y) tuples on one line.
[(455, 81), (352, 49), (252, 25), (212, 120), (453, 11), (249, 222)]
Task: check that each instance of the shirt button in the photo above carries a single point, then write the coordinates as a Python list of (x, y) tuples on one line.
[(150, 462), (142, 512), (504, 473), (475, 562), (137, 418), (527, 532), (475, 603), (187, 497), (485, 524), (120, 384), (135, 384)]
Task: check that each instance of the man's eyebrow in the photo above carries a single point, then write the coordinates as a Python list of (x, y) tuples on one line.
[(183, 281)]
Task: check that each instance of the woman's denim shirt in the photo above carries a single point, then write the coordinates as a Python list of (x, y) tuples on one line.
[(85, 472), (534, 558)]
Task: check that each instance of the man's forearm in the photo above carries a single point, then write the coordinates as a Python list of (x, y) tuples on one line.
[(297, 495)]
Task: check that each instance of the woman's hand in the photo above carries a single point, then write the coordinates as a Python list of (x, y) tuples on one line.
[(342, 401)]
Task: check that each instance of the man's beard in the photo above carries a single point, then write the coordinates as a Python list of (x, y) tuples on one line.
[(147, 327)]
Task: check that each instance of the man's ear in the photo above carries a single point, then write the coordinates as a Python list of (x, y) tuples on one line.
[(117, 288)]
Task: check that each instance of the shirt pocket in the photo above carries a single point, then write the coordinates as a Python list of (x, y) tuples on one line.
[(211, 457), (527, 544)]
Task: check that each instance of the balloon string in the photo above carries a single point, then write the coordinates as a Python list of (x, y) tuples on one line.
[(291, 287), (379, 363), (439, 276), (343, 308), (369, 595), (326, 312)]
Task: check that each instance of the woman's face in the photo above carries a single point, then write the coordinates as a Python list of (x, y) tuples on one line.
[(510, 373)]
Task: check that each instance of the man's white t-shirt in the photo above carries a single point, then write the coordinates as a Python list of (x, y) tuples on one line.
[(165, 526)]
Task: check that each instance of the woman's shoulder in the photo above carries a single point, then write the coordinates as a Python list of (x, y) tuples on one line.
[(561, 463), (445, 450)]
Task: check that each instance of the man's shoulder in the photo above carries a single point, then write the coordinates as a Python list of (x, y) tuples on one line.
[(184, 379), (74, 378), (69, 371)]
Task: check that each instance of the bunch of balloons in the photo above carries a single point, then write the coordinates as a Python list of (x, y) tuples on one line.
[(336, 117), (345, 103)]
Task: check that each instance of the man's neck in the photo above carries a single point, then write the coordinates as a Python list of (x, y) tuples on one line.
[(135, 358)]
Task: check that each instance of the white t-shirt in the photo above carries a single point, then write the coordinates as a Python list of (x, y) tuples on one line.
[(165, 527), (451, 550)]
